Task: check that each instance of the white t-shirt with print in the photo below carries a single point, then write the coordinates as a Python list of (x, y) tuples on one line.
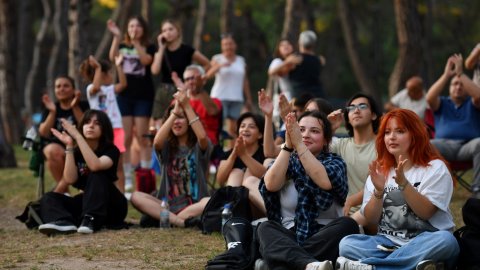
[(105, 100), (398, 222)]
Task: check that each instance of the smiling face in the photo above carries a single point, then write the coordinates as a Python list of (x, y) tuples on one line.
[(285, 48), (135, 29), (91, 129), (312, 134), (64, 90), (249, 131), (170, 32), (229, 46), (397, 139)]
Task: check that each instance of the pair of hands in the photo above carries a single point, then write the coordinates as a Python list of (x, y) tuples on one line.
[(92, 61), (68, 135), (454, 66), (181, 102), (181, 85), (265, 104), (50, 105), (379, 180)]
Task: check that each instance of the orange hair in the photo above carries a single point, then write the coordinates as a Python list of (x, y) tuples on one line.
[(421, 151)]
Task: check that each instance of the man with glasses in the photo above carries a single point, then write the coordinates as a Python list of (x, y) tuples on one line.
[(362, 118), (208, 109), (457, 117)]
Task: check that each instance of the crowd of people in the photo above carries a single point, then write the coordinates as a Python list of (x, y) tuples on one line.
[(376, 197)]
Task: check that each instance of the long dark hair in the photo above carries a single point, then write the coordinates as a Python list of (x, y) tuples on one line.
[(373, 108), (259, 122), (106, 137), (144, 40), (173, 140)]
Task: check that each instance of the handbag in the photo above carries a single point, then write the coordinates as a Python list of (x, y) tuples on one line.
[(178, 203)]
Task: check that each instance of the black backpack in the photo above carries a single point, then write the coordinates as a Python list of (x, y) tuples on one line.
[(468, 236), (212, 214)]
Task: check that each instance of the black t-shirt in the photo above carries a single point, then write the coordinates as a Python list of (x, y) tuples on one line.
[(176, 61), (108, 150), (305, 77), (61, 113), (139, 77), (258, 156)]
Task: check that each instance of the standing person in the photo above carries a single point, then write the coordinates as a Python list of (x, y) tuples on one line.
[(362, 118), (184, 150), (135, 102), (231, 83), (101, 94), (304, 190), (91, 166), (172, 56), (69, 107), (457, 117), (407, 194), (305, 77)]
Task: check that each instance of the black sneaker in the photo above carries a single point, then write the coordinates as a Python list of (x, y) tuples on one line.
[(193, 222), (87, 225), (57, 227)]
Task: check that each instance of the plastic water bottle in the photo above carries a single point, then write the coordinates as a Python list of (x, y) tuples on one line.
[(164, 215), (226, 213)]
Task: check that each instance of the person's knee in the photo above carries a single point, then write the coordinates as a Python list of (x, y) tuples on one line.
[(251, 182), (349, 225), (54, 153)]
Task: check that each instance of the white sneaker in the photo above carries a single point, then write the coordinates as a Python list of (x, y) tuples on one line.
[(325, 265), (347, 264), (128, 184), (261, 265)]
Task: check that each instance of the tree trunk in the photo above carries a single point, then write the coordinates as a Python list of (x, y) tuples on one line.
[(351, 43), (9, 117), (409, 37), (79, 17), (201, 17), (146, 10), (25, 43), (226, 16), (120, 16), (293, 18), (32, 74), (57, 46)]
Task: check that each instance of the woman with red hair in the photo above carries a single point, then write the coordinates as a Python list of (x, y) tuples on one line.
[(407, 194)]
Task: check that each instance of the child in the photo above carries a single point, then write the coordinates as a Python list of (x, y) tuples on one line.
[(101, 96)]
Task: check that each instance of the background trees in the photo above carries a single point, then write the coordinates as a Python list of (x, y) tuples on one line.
[(370, 46)]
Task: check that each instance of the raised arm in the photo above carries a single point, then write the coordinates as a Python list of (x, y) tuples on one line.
[(164, 131), (433, 94), (201, 59), (473, 58), (97, 77), (265, 104), (45, 126), (470, 87), (113, 28), (193, 119), (156, 66)]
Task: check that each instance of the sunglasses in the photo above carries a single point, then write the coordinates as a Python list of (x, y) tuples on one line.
[(361, 106)]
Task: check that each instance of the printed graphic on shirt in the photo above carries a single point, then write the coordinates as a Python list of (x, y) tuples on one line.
[(131, 62), (399, 220)]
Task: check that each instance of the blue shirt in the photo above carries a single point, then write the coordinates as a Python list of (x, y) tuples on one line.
[(311, 198), (457, 123)]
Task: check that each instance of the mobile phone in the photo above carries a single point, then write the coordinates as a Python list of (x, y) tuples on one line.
[(387, 248)]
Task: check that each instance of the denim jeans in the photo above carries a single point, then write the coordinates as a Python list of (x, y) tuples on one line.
[(439, 246)]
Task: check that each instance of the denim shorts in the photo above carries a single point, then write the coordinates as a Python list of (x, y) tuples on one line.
[(231, 109), (134, 107)]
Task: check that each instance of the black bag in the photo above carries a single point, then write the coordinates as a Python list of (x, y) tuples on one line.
[(468, 236), (212, 214), (31, 215)]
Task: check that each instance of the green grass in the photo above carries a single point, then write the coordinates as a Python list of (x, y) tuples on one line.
[(134, 248)]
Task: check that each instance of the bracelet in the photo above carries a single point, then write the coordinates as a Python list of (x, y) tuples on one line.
[(194, 120), (69, 150), (402, 186), (376, 195), (300, 155)]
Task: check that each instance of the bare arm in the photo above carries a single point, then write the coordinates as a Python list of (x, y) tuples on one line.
[(266, 106), (113, 28), (164, 131), (433, 94), (201, 59), (225, 167), (473, 58), (45, 126), (193, 119), (122, 78), (208, 103), (145, 58), (97, 78)]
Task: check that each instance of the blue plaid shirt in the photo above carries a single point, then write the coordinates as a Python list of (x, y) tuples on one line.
[(311, 198)]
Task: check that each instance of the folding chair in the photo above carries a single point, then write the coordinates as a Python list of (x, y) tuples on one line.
[(459, 169)]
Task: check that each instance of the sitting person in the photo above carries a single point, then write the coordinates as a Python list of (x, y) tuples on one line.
[(184, 150), (457, 117), (246, 157), (90, 165), (412, 98), (69, 107), (407, 194), (304, 190)]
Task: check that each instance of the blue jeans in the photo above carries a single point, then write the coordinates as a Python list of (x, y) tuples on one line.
[(439, 246)]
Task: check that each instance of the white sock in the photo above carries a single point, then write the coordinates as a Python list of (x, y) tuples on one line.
[(146, 164), (127, 170)]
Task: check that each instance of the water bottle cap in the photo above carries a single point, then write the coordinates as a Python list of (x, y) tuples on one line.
[(227, 205)]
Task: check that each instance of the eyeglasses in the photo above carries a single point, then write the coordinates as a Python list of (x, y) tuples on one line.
[(191, 78), (361, 106)]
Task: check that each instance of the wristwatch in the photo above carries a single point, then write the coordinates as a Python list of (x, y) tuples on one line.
[(284, 147)]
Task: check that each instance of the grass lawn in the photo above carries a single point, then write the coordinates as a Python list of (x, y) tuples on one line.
[(135, 248)]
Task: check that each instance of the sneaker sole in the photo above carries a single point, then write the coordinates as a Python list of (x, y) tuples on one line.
[(84, 230), (55, 230)]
